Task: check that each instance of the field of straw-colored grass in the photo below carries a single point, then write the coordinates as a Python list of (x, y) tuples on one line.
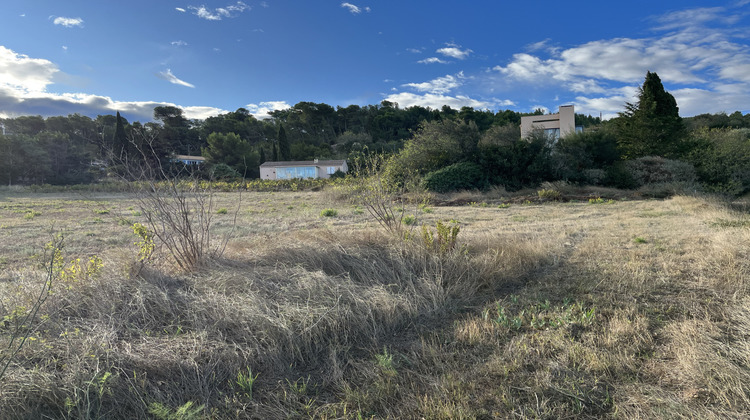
[(621, 309)]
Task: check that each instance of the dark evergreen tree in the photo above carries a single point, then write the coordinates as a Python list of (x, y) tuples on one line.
[(652, 126), (285, 151), (275, 153), (120, 141), (262, 155)]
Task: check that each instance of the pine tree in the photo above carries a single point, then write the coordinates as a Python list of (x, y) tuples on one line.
[(284, 149), (652, 126)]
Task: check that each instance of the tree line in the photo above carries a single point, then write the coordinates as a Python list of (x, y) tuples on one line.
[(485, 145), (77, 149)]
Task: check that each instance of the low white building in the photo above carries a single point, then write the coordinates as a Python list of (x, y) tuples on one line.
[(189, 160), (302, 169), (555, 126)]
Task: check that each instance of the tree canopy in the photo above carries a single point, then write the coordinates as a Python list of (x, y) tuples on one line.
[(652, 126)]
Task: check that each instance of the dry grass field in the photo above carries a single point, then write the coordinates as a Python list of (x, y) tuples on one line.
[(601, 309)]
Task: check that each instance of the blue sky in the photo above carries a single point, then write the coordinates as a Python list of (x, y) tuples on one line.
[(97, 57)]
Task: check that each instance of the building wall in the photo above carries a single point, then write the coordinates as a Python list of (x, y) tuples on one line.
[(267, 173), (321, 171), (564, 120)]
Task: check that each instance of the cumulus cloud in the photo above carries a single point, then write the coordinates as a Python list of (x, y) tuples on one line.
[(442, 91), (171, 78), (436, 101), (696, 56), (455, 51), (441, 85), (262, 109), (19, 71), (16, 103), (432, 60), (68, 22), (219, 13), (354, 9), (23, 91)]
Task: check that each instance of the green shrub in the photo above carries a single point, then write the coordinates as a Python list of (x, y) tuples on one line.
[(409, 220), (30, 214), (521, 164), (618, 176), (443, 238), (329, 213), (222, 210), (581, 157), (463, 175), (722, 160), (657, 170), (222, 171), (339, 174), (549, 194)]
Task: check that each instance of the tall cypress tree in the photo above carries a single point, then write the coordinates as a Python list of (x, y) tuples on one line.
[(275, 153), (652, 126), (262, 155), (284, 148), (120, 141)]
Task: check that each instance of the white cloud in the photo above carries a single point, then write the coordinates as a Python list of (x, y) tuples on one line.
[(608, 106), (354, 9), (171, 78), (23, 91), (68, 22), (179, 43), (680, 57), (18, 71), (722, 98), (219, 13), (432, 60), (262, 109), (701, 52), (692, 17), (435, 101), (441, 85), (15, 103), (180, 9), (455, 51)]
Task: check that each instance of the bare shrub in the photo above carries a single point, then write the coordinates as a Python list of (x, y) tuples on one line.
[(387, 199), (177, 203)]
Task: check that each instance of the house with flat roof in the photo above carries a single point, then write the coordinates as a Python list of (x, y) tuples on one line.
[(189, 160), (302, 169), (555, 126)]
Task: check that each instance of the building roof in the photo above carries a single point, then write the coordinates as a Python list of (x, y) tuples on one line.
[(303, 163), (188, 157)]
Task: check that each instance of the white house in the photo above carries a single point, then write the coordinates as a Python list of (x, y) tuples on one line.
[(555, 126), (189, 160), (302, 169)]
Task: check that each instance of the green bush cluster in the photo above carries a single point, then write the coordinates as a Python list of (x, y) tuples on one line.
[(459, 176)]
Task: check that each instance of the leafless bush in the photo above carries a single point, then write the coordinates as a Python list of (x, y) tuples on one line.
[(386, 199), (177, 203)]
